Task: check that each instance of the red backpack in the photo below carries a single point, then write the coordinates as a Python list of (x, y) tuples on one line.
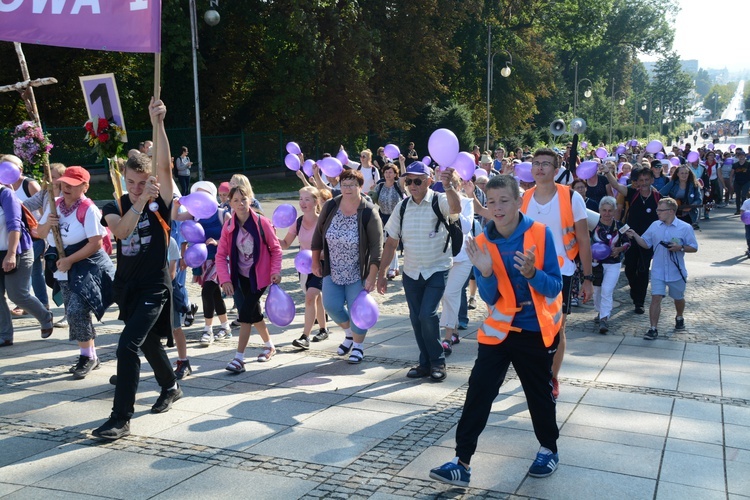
[(81, 216)]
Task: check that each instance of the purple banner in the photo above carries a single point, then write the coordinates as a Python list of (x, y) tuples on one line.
[(114, 25)]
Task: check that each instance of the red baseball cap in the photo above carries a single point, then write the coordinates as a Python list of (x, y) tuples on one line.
[(75, 176)]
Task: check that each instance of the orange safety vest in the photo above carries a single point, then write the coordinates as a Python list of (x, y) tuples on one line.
[(499, 321), (566, 216)]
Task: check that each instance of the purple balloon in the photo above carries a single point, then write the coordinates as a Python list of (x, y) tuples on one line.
[(600, 251), (193, 232), (674, 161), (634, 143), (284, 216), (342, 157), (293, 148), (9, 172), (587, 169), (584, 144), (279, 306), (745, 217), (728, 161), (523, 171), (443, 146), (200, 204), (303, 261), (427, 160), (480, 172), (292, 162), (693, 156), (464, 165), (732, 146), (659, 155), (601, 153), (620, 150), (196, 255), (654, 147), (391, 151), (364, 311), (710, 145), (307, 167), (331, 166)]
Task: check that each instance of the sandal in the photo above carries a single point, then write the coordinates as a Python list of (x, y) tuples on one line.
[(343, 350), (236, 366), (356, 356), (267, 354), (438, 373), (418, 372), (46, 332)]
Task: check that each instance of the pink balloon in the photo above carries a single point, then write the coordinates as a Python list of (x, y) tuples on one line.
[(693, 156), (342, 157), (9, 172), (654, 147), (331, 166), (307, 167), (584, 144), (464, 165), (284, 216), (292, 162), (200, 204), (601, 153), (196, 255), (279, 306), (193, 232), (443, 146), (745, 217), (600, 251), (293, 148), (303, 261), (427, 160), (587, 169), (391, 151), (523, 171), (674, 160), (364, 311)]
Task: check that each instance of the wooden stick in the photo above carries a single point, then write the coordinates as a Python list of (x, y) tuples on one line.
[(155, 132), (30, 102), (21, 86)]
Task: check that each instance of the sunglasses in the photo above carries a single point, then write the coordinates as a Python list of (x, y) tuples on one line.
[(416, 182)]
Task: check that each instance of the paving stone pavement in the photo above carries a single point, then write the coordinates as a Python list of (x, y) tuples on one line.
[(663, 419)]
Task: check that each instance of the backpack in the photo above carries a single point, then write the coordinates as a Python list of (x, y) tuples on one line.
[(25, 186), (379, 187), (366, 214), (81, 216), (372, 170), (28, 220), (455, 233)]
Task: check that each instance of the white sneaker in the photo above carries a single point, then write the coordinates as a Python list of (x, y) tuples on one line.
[(223, 334), (207, 339)]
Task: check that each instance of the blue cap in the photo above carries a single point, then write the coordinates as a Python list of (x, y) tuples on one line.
[(417, 168)]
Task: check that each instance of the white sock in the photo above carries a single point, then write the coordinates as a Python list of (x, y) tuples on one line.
[(225, 325), (348, 342), (545, 451), (357, 345), (269, 344), (208, 328), (240, 356), (173, 387)]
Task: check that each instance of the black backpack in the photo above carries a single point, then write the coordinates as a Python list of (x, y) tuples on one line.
[(455, 233)]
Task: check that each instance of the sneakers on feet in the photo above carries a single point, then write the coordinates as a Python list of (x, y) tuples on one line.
[(182, 369), (114, 428), (603, 326), (207, 339), (447, 348), (235, 323), (190, 315), (320, 336), (267, 354), (63, 323), (679, 323), (223, 333), (455, 339), (544, 465), (639, 310), (166, 398), (651, 334), (555, 388), (84, 366), (303, 342), (472, 303), (452, 473)]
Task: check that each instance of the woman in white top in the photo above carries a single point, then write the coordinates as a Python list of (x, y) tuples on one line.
[(370, 173)]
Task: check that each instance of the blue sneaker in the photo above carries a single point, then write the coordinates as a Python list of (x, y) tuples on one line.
[(452, 473), (544, 465)]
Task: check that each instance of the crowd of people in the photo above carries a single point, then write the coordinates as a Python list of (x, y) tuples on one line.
[(531, 248)]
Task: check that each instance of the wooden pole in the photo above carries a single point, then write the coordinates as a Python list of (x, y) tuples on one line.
[(30, 103), (155, 132)]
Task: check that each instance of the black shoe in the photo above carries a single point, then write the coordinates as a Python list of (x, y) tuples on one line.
[(639, 310), (114, 428), (84, 366), (190, 315), (182, 369), (320, 336), (651, 334), (679, 323), (166, 398), (303, 342), (113, 379)]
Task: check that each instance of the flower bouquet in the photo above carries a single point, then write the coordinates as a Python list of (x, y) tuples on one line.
[(105, 138), (31, 145)]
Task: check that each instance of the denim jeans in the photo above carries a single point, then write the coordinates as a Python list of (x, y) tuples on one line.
[(423, 298), (17, 287), (334, 297), (463, 310), (37, 273)]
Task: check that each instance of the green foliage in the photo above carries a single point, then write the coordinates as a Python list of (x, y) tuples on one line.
[(451, 115), (724, 95), (702, 82)]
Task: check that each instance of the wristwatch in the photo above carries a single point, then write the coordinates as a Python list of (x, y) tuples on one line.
[(589, 277)]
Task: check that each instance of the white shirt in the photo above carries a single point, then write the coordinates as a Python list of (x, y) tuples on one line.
[(549, 214)]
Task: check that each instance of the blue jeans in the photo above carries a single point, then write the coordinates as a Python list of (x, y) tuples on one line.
[(37, 273), (423, 298), (463, 310), (334, 297)]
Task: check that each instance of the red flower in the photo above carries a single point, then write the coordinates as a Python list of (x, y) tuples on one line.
[(103, 124), (89, 126), (103, 138)]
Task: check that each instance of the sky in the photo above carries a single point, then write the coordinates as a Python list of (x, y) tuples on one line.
[(713, 31)]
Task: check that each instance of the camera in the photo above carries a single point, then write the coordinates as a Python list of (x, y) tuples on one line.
[(665, 244)]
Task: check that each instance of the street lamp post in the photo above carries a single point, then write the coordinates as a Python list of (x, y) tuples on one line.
[(612, 110), (635, 113), (504, 72), (586, 94), (715, 97)]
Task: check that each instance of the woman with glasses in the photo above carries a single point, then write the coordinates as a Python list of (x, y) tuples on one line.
[(370, 173), (386, 196), (685, 189), (346, 246)]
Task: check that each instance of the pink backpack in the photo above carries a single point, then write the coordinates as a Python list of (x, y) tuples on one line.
[(81, 216)]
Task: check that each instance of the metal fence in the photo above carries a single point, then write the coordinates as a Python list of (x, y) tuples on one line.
[(242, 152)]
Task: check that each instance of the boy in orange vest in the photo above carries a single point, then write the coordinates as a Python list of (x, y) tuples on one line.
[(517, 272)]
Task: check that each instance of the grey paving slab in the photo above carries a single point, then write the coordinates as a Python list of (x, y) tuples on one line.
[(22, 403), (737, 415), (700, 384), (693, 470), (359, 422), (737, 436), (695, 447), (738, 482), (222, 432), (32, 493), (282, 410), (673, 491), (48, 463), (16, 448), (620, 419), (574, 483), (627, 401), (82, 413), (703, 431), (7, 489), (621, 458), (398, 388), (612, 435)]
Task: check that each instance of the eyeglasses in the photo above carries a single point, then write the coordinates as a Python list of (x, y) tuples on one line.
[(543, 164), (664, 209), (349, 186), (416, 182)]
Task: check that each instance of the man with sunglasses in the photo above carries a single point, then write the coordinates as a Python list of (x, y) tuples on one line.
[(426, 260)]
